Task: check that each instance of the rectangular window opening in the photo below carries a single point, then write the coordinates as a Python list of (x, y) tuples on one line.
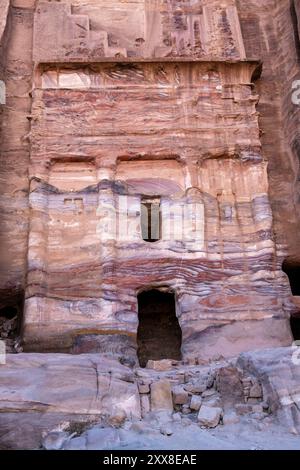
[(151, 219)]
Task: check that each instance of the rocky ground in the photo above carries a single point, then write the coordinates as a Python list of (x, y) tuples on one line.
[(89, 401), (9, 333), (164, 432)]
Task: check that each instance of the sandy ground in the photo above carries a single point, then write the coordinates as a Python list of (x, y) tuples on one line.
[(248, 434), (231, 437)]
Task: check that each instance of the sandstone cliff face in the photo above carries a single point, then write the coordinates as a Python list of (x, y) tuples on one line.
[(16, 71), (275, 39), (159, 99)]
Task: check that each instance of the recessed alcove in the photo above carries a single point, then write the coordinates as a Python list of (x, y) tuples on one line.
[(159, 334), (9, 312), (292, 270), (151, 219)]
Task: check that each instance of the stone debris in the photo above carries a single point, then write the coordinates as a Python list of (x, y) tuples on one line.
[(243, 409), (145, 404), (196, 402), (196, 386), (209, 417), (230, 417), (180, 395), (145, 400), (176, 417), (161, 396), (162, 365), (144, 388), (255, 391), (213, 401), (185, 410), (166, 430), (55, 440), (209, 394)]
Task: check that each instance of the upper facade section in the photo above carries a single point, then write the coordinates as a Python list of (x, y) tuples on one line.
[(95, 30)]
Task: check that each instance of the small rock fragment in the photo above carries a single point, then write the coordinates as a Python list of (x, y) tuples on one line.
[(55, 440), (230, 417), (186, 410), (196, 402), (209, 417), (166, 430), (144, 388), (161, 396), (180, 396), (255, 391)]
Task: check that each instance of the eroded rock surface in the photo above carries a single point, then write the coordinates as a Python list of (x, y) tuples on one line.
[(57, 383), (53, 399), (278, 371)]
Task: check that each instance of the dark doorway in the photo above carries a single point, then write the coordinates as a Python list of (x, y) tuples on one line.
[(159, 334), (293, 272), (295, 28), (295, 326), (8, 312), (292, 269)]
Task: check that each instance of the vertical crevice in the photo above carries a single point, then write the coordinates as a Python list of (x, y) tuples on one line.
[(296, 30)]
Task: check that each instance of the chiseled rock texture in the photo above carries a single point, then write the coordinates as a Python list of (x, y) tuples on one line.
[(279, 374), (111, 101), (275, 38)]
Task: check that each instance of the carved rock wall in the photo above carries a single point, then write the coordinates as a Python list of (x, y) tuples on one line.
[(275, 39), (203, 140), (156, 98), (81, 31), (16, 70)]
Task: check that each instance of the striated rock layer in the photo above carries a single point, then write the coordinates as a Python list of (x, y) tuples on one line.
[(156, 101)]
